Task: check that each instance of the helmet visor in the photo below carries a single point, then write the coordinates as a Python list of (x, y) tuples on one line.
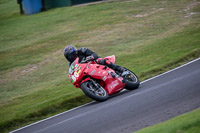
[(71, 56)]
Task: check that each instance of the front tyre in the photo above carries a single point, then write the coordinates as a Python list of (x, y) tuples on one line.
[(94, 91), (131, 80)]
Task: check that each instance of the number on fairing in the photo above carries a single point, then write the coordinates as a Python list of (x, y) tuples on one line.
[(73, 79), (76, 74)]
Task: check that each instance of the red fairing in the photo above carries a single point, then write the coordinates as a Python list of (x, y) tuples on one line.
[(111, 58), (109, 80)]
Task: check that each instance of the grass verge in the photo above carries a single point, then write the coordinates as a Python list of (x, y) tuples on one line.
[(186, 123)]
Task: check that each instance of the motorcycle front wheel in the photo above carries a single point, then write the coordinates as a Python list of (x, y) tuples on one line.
[(94, 91)]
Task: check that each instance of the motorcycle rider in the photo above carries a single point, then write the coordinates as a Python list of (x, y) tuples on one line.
[(71, 53)]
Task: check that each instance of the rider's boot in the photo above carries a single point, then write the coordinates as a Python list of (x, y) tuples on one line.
[(119, 68)]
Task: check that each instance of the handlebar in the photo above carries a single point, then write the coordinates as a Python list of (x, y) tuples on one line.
[(84, 61)]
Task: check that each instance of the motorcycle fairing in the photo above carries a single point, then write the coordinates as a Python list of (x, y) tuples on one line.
[(77, 72)]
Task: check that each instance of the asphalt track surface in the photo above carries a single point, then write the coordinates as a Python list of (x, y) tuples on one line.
[(157, 99)]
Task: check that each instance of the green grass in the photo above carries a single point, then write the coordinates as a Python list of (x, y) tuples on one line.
[(147, 36), (186, 123)]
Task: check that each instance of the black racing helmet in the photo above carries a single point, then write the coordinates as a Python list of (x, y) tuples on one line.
[(70, 53)]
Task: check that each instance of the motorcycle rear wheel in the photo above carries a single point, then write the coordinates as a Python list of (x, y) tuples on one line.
[(96, 92), (131, 80)]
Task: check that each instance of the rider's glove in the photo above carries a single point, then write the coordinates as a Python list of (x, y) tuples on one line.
[(90, 58)]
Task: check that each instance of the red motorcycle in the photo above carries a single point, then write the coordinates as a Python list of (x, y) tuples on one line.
[(99, 82)]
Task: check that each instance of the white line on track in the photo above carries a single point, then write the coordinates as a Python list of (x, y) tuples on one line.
[(94, 101)]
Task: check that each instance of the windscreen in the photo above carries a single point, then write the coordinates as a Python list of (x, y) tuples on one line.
[(71, 68)]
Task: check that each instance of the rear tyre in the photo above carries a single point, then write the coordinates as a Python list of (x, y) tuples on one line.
[(96, 92), (131, 80)]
